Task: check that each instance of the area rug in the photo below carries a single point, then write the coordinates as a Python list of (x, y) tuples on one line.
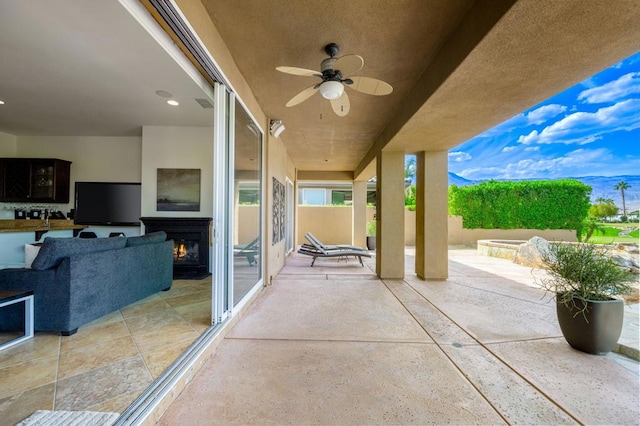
[(69, 418)]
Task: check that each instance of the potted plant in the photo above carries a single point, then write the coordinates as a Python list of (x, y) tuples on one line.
[(371, 235), (585, 281)]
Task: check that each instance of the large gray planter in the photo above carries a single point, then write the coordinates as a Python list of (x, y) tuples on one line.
[(601, 333), (371, 243)]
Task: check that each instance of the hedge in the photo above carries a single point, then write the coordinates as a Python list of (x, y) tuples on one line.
[(548, 204)]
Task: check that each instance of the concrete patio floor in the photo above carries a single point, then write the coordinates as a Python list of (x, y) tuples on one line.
[(333, 344)]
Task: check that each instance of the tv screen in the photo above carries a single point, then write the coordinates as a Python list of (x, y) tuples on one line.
[(108, 203)]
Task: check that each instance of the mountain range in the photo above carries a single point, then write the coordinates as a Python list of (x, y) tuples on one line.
[(601, 186)]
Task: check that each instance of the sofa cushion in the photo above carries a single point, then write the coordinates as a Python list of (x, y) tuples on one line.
[(150, 238), (53, 250)]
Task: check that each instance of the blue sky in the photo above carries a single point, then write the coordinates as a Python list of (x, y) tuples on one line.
[(590, 129)]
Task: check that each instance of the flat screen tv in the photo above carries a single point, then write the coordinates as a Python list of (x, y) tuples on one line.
[(108, 203)]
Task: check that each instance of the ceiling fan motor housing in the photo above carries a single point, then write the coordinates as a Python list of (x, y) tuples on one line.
[(332, 49)]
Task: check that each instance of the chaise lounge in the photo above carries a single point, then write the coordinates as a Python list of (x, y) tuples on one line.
[(316, 243), (250, 251), (318, 250)]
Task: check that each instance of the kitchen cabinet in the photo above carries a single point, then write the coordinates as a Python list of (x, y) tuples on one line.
[(34, 180)]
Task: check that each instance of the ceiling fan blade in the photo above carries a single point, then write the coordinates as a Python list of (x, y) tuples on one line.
[(341, 105), (349, 64), (302, 96), (299, 71), (371, 86)]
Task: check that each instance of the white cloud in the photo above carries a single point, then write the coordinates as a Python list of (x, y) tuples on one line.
[(544, 113), (575, 163), (459, 156), (612, 91), (585, 127), (532, 148), (507, 126), (508, 148)]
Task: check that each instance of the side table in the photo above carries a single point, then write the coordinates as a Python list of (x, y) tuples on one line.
[(8, 298)]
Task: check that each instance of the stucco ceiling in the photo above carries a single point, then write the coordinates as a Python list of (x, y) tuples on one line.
[(397, 40), (457, 67)]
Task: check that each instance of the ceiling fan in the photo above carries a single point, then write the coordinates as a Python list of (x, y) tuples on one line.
[(335, 74)]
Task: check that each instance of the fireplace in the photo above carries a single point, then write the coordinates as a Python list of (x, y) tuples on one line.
[(191, 243)]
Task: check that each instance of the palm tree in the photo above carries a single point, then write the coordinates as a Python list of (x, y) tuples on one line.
[(410, 168), (622, 186), (602, 200)]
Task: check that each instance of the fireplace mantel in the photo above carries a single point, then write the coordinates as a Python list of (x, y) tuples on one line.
[(187, 233)]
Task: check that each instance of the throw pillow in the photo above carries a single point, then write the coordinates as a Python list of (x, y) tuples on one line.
[(151, 238), (30, 253), (53, 250)]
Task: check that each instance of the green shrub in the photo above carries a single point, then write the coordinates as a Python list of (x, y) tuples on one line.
[(559, 204), (410, 197), (371, 228)]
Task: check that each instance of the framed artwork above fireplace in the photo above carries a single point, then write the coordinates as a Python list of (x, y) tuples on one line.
[(178, 190)]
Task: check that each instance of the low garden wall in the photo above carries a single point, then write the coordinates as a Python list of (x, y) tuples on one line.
[(333, 225)]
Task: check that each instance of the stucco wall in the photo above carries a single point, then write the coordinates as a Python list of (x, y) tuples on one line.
[(471, 236), (332, 225), (278, 166)]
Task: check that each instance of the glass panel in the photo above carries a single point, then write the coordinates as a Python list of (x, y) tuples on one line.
[(247, 244), (289, 217), (312, 197), (220, 257), (341, 197)]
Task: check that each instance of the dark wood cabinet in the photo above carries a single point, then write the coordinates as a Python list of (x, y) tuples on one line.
[(34, 180)]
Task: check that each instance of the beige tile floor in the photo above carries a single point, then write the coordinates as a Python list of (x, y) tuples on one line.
[(108, 363), (335, 345)]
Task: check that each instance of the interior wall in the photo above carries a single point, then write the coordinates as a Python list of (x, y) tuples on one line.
[(8, 145), (93, 159), (165, 147)]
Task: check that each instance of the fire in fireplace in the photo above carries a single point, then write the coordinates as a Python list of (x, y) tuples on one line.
[(186, 252)]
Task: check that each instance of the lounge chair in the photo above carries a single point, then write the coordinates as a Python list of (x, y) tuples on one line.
[(343, 253), (250, 251), (315, 242)]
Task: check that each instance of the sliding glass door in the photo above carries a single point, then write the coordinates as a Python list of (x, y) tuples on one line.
[(247, 201), (237, 261)]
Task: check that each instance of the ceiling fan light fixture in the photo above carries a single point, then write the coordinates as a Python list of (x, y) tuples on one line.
[(331, 89)]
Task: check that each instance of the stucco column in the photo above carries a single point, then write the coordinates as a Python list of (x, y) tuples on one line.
[(432, 256), (359, 218), (390, 215)]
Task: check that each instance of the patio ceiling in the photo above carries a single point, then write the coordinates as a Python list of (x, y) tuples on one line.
[(457, 67)]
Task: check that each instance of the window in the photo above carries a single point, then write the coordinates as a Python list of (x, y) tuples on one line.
[(249, 196), (341, 197), (313, 197)]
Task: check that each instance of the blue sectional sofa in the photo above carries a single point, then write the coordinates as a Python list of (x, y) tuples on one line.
[(76, 280)]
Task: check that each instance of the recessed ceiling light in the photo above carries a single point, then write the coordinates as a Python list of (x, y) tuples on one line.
[(172, 102), (163, 93), (1, 102)]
